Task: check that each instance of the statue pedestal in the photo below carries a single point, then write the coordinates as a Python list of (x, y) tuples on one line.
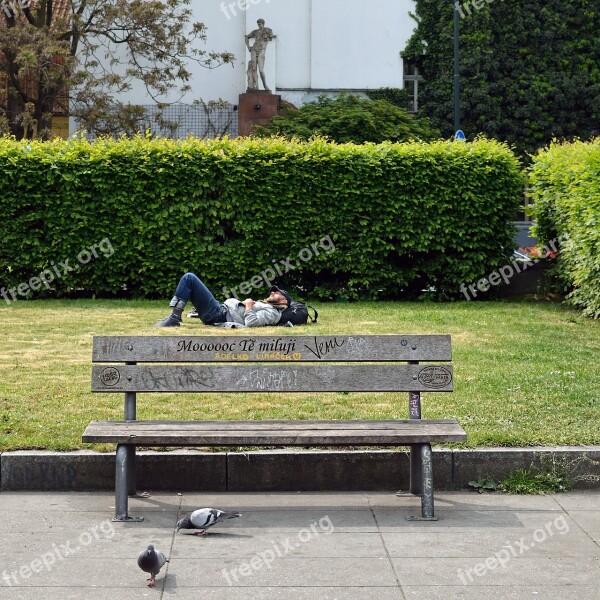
[(256, 107)]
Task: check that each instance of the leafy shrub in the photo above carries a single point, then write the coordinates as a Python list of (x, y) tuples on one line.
[(348, 118), (483, 483), (552, 473), (565, 183), (403, 217), (526, 481), (396, 96)]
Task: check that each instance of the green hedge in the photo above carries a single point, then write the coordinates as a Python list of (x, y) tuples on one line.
[(403, 217), (565, 183)]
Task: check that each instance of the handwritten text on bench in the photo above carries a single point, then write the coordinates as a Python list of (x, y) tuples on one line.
[(268, 379), (273, 348)]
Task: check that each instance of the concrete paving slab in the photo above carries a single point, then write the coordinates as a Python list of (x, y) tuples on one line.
[(78, 593), (540, 572), (588, 521), (285, 571), (299, 500), (293, 520), (308, 544), (291, 593), (572, 501), (291, 546), (19, 548), (84, 572), (503, 592), (80, 522), (489, 542), (85, 501), (495, 501), (392, 519), (467, 501), (57, 501)]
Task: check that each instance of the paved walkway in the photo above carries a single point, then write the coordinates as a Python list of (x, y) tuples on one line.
[(317, 546)]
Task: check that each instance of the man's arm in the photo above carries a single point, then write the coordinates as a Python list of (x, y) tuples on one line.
[(260, 316)]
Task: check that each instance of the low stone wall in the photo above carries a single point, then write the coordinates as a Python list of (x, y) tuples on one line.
[(283, 470)]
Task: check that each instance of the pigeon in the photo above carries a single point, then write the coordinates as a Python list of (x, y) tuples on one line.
[(203, 518), (151, 561)]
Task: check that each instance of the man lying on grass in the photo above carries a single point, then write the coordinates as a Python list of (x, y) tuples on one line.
[(248, 313)]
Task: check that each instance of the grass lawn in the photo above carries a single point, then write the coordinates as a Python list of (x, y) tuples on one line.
[(525, 373)]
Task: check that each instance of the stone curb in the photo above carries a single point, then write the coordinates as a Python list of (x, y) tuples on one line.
[(285, 470)]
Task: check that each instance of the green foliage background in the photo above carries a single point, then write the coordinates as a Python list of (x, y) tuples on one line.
[(530, 70), (403, 217), (565, 183)]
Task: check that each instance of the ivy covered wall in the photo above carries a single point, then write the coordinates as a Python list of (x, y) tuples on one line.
[(530, 70)]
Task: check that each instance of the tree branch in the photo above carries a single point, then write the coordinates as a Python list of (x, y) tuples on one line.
[(29, 16), (49, 13)]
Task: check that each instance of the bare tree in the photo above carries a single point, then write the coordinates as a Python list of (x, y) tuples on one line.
[(81, 54)]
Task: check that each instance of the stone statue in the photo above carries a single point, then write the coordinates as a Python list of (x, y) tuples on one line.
[(262, 36)]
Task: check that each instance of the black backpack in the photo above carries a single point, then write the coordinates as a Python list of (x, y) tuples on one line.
[(297, 314)]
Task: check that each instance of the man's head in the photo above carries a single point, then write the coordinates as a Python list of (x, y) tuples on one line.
[(279, 296), (261, 23)]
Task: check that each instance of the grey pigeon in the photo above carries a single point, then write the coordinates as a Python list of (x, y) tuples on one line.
[(203, 518), (151, 561)]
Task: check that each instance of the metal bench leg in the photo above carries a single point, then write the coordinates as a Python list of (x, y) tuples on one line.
[(122, 481), (131, 479), (426, 457), (414, 413), (416, 479)]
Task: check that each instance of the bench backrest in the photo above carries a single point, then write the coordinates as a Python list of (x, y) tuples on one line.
[(335, 363)]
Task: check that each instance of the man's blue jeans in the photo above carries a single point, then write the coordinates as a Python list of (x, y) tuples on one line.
[(209, 310)]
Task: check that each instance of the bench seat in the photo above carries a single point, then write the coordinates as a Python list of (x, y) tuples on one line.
[(275, 433)]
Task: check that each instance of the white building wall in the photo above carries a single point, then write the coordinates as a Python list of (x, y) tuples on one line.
[(320, 46), (357, 44)]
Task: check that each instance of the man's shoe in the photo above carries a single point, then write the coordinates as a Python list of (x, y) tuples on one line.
[(170, 321)]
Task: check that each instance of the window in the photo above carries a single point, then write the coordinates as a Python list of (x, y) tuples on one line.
[(411, 80)]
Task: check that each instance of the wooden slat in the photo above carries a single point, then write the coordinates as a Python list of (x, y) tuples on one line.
[(283, 348), (274, 433), (272, 378)]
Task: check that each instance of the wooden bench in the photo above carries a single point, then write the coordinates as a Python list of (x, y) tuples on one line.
[(279, 364)]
